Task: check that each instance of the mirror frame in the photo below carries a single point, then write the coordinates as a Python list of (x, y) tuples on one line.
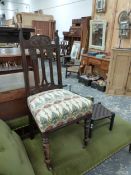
[(75, 50), (101, 9), (104, 24)]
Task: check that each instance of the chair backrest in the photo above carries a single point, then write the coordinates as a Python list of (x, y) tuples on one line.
[(41, 49), (64, 47)]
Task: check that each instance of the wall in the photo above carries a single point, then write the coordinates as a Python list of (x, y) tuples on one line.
[(62, 10), (113, 9), (13, 6)]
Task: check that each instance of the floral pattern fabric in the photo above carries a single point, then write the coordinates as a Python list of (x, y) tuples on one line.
[(56, 107)]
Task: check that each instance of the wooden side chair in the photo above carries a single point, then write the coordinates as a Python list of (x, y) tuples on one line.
[(50, 106), (63, 48)]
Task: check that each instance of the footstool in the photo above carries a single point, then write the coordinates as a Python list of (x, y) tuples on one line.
[(100, 112)]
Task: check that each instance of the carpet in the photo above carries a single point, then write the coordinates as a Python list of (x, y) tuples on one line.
[(67, 154)]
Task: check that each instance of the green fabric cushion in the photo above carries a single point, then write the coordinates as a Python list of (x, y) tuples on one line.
[(13, 157)]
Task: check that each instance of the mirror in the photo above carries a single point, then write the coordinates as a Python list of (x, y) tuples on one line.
[(124, 24), (97, 34), (75, 50)]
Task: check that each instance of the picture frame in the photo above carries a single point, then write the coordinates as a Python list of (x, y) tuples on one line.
[(97, 34), (100, 6), (75, 50)]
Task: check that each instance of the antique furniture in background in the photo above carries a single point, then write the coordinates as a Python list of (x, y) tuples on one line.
[(11, 34), (79, 31), (12, 92), (44, 28), (97, 34), (72, 61), (25, 19), (74, 54), (63, 48), (119, 75), (10, 60), (51, 107), (73, 68), (85, 31), (102, 65)]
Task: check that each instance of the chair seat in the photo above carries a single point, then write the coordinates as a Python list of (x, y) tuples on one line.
[(56, 107)]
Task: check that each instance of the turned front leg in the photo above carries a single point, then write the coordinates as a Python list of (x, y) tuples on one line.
[(46, 151), (86, 130)]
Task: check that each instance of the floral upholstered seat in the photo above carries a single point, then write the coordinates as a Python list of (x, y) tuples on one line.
[(56, 107)]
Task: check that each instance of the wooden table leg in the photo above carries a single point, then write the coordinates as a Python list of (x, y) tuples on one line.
[(86, 130), (46, 151), (112, 121), (31, 122), (130, 148), (91, 128)]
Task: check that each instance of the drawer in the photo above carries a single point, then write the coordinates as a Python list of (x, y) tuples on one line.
[(104, 65), (94, 61)]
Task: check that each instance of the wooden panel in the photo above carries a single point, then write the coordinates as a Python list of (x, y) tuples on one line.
[(13, 104), (13, 109), (12, 95), (119, 79), (44, 28), (85, 30), (105, 65), (94, 61), (119, 73), (128, 86)]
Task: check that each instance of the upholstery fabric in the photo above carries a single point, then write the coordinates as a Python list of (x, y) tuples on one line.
[(56, 107), (13, 157)]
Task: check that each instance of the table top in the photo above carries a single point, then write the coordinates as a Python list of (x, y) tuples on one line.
[(105, 59)]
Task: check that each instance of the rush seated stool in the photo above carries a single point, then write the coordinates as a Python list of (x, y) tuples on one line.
[(100, 112)]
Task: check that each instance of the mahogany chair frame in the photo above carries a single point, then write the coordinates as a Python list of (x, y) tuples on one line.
[(43, 43)]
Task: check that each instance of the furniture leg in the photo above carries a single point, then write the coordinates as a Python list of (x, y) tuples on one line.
[(130, 148), (78, 75), (86, 130), (46, 151), (66, 73), (112, 121), (31, 125), (91, 128)]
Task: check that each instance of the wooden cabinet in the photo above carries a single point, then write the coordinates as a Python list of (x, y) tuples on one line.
[(119, 76), (79, 31), (44, 28)]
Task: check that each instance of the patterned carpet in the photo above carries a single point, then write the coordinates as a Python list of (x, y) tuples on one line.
[(120, 163)]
